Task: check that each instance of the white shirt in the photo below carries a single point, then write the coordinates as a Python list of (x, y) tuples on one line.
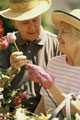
[(66, 77)]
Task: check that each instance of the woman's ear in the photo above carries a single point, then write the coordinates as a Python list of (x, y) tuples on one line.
[(14, 22)]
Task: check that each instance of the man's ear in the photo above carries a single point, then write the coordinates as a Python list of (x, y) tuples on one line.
[(14, 22)]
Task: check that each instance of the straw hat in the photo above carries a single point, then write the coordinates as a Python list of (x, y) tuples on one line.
[(25, 9), (72, 18)]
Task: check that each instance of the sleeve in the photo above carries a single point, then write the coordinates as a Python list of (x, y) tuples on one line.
[(4, 59), (42, 91), (51, 47)]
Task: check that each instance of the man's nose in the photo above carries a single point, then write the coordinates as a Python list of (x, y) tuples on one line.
[(31, 26)]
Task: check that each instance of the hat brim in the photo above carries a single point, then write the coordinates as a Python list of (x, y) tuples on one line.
[(41, 8), (59, 16)]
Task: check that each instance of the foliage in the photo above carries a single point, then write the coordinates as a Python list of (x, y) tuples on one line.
[(7, 24), (17, 95), (23, 114), (12, 95), (47, 22)]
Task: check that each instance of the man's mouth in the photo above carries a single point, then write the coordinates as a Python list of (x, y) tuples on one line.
[(32, 33)]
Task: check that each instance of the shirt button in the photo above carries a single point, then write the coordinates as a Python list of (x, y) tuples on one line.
[(29, 51), (26, 43)]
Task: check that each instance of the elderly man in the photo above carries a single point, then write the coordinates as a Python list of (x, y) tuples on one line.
[(35, 44)]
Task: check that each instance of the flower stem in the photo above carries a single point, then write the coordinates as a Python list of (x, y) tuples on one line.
[(16, 46)]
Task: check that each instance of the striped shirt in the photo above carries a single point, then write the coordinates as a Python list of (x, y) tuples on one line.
[(66, 77)]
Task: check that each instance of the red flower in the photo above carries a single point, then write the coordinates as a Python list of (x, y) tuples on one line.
[(17, 100), (21, 94), (1, 31), (1, 23), (1, 118), (4, 44)]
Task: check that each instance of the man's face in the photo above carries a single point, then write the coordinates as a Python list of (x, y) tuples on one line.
[(29, 29)]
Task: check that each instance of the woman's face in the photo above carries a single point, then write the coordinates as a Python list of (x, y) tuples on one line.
[(68, 38)]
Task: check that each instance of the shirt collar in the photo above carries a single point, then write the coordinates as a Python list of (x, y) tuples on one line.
[(19, 39), (42, 37), (40, 40)]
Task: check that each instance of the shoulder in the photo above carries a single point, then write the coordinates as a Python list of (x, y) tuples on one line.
[(57, 59), (60, 57), (50, 34), (51, 38)]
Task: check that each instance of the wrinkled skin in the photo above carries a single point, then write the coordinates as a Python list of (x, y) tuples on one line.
[(17, 60), (37, 74)]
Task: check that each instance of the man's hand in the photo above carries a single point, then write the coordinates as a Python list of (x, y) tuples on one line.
[(17, 60), (37, 74)]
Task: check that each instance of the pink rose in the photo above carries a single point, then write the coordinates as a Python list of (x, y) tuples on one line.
[(11, 37)]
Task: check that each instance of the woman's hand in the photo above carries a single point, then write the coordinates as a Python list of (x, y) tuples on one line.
[(17, 60), (37, 74)]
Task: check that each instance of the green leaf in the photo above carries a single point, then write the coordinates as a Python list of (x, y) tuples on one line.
[(72, 117), (0, 75), (15, 72), (13, 49), (6, 84), (4, 72), (0, 48)]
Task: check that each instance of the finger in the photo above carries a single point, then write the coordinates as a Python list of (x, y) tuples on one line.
[(14, 54), (21, 63), (17, 53), (31, 66), (28, 65), (20, 57), (18, 64)]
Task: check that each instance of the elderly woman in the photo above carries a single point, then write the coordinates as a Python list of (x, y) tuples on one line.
[(65, 68)]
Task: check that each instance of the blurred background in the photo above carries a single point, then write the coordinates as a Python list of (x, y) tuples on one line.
[(66, 5)]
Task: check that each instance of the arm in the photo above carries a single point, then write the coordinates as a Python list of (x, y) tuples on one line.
[(40, 108), (60, 96), (57, 93), (47, 80)]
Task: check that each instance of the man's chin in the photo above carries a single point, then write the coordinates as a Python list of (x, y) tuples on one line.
[(33, 38)]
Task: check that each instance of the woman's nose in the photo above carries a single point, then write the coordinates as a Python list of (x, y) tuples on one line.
[(59, 35)]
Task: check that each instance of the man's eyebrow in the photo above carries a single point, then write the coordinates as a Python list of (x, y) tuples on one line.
[(35, 18), (24, 21)]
